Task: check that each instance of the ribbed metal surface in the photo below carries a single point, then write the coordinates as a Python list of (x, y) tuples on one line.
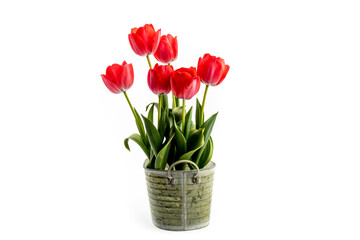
[(184, 205)]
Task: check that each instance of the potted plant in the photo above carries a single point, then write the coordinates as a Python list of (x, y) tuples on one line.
[(178, 150)]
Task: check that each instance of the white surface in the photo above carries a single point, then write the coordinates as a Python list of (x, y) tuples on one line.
[(286, 140)]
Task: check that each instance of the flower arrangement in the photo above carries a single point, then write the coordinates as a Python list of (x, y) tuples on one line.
[(176, 137)]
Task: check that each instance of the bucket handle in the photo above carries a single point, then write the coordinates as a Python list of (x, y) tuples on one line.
[(171, 179)]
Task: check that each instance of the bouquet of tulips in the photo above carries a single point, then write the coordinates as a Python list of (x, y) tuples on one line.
[(176, 136)]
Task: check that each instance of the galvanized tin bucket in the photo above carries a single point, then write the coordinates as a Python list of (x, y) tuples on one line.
[(180, 200)]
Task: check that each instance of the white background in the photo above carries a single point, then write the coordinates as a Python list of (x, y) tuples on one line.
[(287, 138)]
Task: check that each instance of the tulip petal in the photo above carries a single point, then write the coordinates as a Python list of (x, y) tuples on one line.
[(152, 80), (159, 79), (174, 45), (109, 83), (193, 88), (137, 44), (221, 60), (165, 72), (144, 36), (205, 61), (113, 72), (199, 67), (164, 52), (213, 70), (207, 56), (155, 41), (133, 30), (126, 77), (226, 70), (184, 83), (191, 70)]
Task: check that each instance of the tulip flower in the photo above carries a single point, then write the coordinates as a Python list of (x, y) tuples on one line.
[(159, 79), (144, 40), (184, 84), (212, 71), (159, 82), (167, 50), (118, 78)]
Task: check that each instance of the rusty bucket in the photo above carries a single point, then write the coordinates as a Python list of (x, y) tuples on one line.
[(180, 200)]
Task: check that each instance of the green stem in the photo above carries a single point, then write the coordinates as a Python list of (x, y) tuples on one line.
[(203, 105), (173, 96), (148, 59), (173, 101), (183, 115), (159, 111), (139, 127), (131, 107)]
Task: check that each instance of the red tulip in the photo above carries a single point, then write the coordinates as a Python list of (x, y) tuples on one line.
[(144, 40), (185, 83), (159, 79), (212, 70), (119, 78), (167, 50)]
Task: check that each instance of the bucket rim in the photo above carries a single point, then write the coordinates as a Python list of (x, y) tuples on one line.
[(210, 166)]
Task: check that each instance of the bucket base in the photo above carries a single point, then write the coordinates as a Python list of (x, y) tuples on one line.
[(181, 228)]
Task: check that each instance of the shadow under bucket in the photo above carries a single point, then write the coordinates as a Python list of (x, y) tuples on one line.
[(180, 200)]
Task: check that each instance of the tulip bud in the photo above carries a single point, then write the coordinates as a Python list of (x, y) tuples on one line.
[(159, 79), (185, 83), (119, 78), (212, 70), (144, 40), (167, 50)]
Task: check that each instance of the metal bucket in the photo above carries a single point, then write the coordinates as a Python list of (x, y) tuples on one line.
[(180, 200)]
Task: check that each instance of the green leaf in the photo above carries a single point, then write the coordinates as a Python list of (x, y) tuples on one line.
[(208, 125), (140, 127), (152, 104), (198, 114), (164, 122), (165, 101), (188, 117), (187, 156), (153, 134), (196, 139), (207, 154), (177, 113), (172, 153), (180, 140), (151, 114), (177, 101), (151, 163), (137, 138), (195, 142), (162, 156)]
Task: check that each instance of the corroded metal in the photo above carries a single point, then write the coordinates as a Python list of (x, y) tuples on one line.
[(185, 203)]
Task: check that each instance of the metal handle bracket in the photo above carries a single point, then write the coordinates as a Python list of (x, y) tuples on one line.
[(171, 179)]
